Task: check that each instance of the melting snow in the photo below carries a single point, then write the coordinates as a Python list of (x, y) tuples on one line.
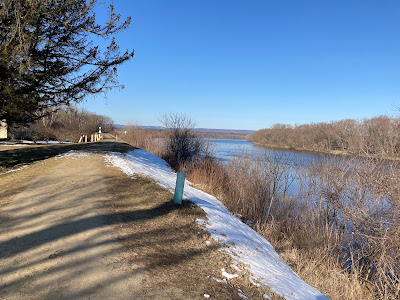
[(75, 154), (14, 170), (227, 275), (26, 143), (242, 242)]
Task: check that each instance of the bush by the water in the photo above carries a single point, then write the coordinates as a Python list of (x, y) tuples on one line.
[(336, 222), (338, 227)]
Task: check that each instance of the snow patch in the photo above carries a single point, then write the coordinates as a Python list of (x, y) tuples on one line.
[(253, 281), (14, 170), (228, 275), (25, 143), (235, 267), (12, 145), (75, 154), (220, 280), (242, 242)]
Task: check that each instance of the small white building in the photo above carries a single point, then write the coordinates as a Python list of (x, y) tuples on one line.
[(3, 129)]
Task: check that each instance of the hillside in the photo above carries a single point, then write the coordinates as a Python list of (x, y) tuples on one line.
[(73, 226)]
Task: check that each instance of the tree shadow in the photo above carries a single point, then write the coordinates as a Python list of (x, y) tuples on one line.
[(35, 239), (26, 155), (141, 240)]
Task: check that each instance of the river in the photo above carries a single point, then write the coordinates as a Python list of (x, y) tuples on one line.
[(225, 150)]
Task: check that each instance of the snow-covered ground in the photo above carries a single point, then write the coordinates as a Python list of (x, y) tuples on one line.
[(242, 242), (26, 143)]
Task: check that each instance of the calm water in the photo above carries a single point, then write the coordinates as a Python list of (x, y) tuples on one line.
[(225, 150)]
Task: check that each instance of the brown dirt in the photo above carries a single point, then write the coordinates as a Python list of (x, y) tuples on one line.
[(166, 239), (77, 229), (54, 239)]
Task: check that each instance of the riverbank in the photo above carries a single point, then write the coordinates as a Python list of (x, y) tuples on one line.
[(332, 152), (146, 240), (279, 200)]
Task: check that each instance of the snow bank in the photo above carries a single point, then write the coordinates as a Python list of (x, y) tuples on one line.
[(243, 243)]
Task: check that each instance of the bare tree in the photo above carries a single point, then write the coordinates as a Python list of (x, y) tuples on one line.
[(182, 144), (378, 136)]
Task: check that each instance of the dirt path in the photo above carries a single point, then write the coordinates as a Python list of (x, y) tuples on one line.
[(76, 229), (55, 242)]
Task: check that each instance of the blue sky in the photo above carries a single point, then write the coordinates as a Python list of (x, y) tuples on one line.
[(250, 64)]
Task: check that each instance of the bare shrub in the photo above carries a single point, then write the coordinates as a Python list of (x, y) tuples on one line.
[(181, 144), (379, 136), (356, 202), (212, 176), (65, 124), (337, 224), (68, 124), (20, 132)]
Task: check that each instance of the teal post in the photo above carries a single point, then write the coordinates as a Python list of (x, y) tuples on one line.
[(180, 182)]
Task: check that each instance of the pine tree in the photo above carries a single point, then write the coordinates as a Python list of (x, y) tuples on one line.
[(48, 57)]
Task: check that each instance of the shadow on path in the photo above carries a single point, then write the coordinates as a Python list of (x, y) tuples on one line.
[(27, 155), (59, 231)]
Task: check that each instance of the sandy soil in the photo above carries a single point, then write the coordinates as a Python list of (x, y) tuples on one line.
[(55, 242)]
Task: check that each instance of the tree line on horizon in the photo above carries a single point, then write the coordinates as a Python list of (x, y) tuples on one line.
[(66, 124), (378, 136)]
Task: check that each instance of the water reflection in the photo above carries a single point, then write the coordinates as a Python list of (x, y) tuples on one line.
[(225, 150)]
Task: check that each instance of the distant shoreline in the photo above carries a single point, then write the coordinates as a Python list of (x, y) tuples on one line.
[(333, 152)]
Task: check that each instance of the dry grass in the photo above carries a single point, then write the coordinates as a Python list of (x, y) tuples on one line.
[(146, 139), (316, 265), (311, 226), (339, 212), (165, 241)]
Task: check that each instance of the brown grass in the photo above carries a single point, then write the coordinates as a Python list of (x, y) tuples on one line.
[(318, 229), (165, 241), (309, 228), (138, 137)]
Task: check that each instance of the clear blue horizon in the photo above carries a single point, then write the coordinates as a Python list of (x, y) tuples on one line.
[(250, 64)]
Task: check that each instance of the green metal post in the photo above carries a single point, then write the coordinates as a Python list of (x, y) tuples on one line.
[(180, 182)]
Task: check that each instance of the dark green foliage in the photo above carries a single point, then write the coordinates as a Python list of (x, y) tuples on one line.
[(47, 55)]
